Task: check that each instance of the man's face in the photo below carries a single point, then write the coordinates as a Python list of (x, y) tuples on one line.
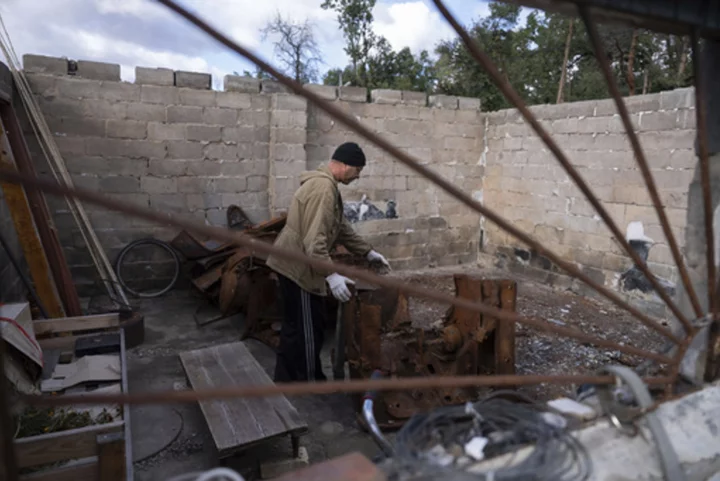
[(351, 173)]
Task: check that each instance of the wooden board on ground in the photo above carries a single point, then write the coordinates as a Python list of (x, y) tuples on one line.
[(236, 424)]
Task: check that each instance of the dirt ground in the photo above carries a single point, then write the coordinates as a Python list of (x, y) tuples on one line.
[(173, 440)]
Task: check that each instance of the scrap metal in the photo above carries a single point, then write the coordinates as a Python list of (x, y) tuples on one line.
[(380, 336)]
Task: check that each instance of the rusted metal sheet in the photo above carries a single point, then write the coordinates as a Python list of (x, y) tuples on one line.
[(41, 215), (380, 335)]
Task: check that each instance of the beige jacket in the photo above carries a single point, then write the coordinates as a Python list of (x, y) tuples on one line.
[(315, 223)]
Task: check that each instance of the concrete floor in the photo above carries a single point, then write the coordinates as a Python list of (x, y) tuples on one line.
[(174, 440)]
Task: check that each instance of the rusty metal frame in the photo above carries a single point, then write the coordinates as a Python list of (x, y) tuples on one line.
[(31, 182)]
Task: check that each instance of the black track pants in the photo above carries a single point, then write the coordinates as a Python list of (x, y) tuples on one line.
[(301, 336)]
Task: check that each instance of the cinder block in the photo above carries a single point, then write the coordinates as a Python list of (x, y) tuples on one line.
[(45, 65), (148, 112), (353, 94), (289, 102), (236, 83), (201, 98), (468, 103), (184, 150), (119, 91), (154, 94), (76, 88), (160, 131), (154, 76), (184, 114), (273, 87), (126, 129), (98, 70), (386, 96), (233, 100), (220, 116), (257, 183), (663, 120), (677, 99), (414, 98), (119, 184), (193, 80), (327, 92), (239, 134), (208, 133), (158, 185), (443, 102)]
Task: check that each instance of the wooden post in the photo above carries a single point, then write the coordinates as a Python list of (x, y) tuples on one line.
[(505, 334), (29, 240), (48, 234), (111, 456)]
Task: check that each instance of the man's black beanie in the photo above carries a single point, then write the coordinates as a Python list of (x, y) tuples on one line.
[(351, 154)]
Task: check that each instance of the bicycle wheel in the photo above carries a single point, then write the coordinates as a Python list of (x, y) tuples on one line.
[(154, 274)]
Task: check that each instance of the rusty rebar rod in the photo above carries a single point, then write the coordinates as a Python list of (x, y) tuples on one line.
[(701, 120), (514, 98), (644, 168), (406, 159), (225, 234), (328, 387)]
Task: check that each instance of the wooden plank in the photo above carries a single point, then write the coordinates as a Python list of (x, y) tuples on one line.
[(29, 240), (129, 467), (84, 471), (236, 424), (80, 323), (505, 334), (41, 213), (61, 446), (111, 456)]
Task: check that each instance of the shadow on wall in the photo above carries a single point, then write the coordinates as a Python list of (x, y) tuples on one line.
[(366, 210)]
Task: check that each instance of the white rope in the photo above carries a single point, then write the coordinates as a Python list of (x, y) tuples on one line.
[(217, 474), (59, 169)]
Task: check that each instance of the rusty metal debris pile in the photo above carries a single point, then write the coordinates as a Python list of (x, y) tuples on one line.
[(380, 335)]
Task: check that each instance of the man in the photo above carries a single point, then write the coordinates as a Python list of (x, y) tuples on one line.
[(315, 223)]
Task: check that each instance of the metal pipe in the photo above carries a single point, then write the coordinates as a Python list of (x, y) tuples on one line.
[(368, 403), (329, 387), (335, 112), (239, 238)]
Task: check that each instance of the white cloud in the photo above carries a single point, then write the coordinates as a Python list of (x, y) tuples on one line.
[(411, 24)]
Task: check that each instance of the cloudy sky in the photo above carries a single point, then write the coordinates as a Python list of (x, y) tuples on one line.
[(144, 33)]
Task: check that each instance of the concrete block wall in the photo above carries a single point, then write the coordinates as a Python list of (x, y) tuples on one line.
[(432, 228), (169, 142), (527, 185)]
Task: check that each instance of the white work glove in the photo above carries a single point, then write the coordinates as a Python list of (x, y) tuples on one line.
[(338, 286), (376, 256)]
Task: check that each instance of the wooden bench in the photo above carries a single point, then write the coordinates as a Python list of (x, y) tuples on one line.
[(237, 424)]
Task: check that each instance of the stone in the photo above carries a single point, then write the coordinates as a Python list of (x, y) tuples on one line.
[(154, 76), (193, 80), (353, 94), (98, 70), (45, 65), (236, 83), (443, 101), (386, 96)]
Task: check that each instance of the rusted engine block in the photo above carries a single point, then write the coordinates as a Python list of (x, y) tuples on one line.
[(380, 335)]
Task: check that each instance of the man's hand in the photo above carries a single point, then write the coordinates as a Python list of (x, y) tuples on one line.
[(338, 286), (376, 256)]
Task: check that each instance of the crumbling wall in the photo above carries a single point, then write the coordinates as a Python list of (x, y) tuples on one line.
[(169, 142), (527, 185), (11, 287)]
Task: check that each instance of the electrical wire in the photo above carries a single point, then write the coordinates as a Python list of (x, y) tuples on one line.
[(507, 426)]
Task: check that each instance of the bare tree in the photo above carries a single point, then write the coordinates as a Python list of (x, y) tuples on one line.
[(295, 47)]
